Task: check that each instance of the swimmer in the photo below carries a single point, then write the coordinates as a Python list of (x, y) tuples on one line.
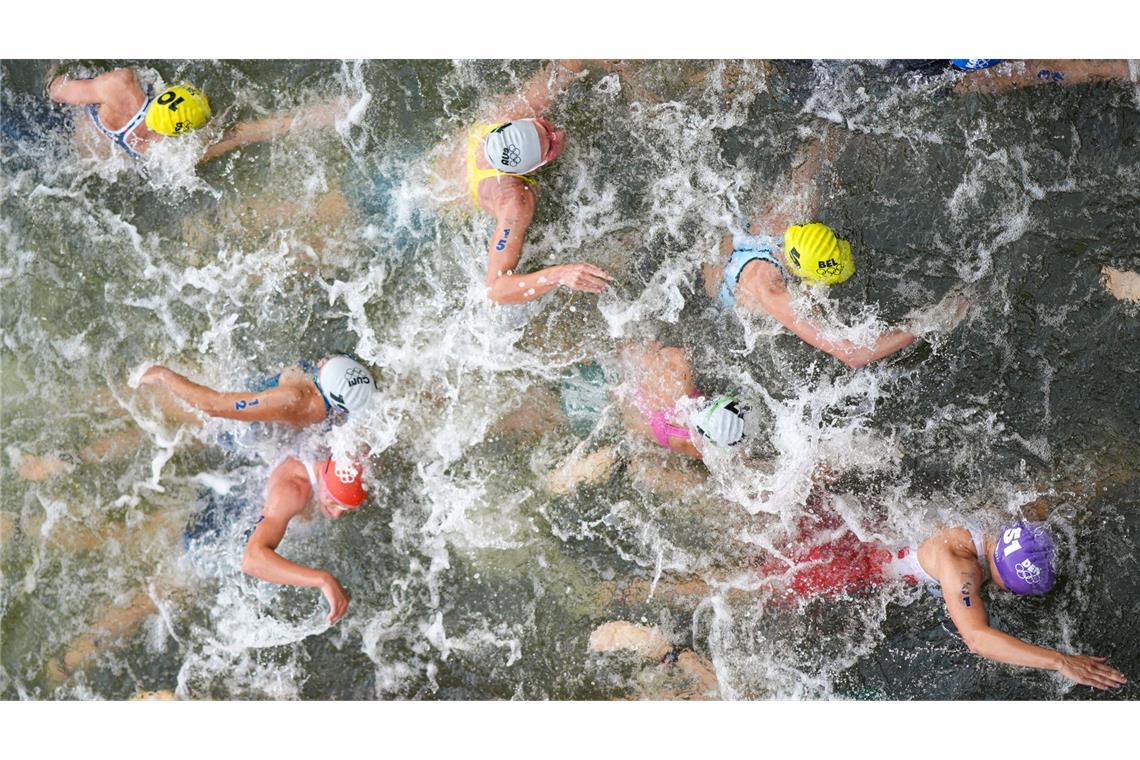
[(502, 154), (302, 395), (651, 643), (134, 118), (756, 275), (293, 488), (656, 379), (1019, 559), (994, 75), (659, 402)]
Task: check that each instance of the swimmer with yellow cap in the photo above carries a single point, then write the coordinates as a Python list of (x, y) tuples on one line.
[(130, 116), (178, 110), (758, 270), (756, 275), (815, 255), (135, 117)]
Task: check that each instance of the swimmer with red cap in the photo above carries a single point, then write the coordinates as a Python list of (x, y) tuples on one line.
[(294, 489)]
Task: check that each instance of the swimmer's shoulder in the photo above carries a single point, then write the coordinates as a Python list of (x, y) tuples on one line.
[(947, 545), (499, 194), (290, 469)]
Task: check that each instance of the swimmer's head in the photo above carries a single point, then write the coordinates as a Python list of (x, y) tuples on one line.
[(345, 383), (1023, 556), (178, 110), (721, 421), (341, 486), (816, 255), (520, 147)]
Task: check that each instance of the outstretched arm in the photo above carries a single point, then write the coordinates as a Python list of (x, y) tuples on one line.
[(263, 130), (772, 297), (536, 94), (279, 404), (961, 580), (504, 285), (287, 494), (1041, 71), (78, 92)]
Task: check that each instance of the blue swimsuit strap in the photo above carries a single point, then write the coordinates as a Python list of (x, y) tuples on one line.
[(742, 257), (119, 136)]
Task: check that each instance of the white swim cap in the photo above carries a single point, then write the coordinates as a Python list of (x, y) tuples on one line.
[(721, 421), (345, 383), (514, 147)]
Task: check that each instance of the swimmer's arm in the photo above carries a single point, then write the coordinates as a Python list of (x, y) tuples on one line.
[(285, 499), (247, 133), (263, 130), (537, 94), (78, 92), (504, 285), (281, 404), (1027, 73), (961, 581), (772, 298)]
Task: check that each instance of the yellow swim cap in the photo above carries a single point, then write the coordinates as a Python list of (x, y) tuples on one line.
[(178, 110), (816, 255)]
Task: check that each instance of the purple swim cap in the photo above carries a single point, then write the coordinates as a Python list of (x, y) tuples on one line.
[(1023, 556)]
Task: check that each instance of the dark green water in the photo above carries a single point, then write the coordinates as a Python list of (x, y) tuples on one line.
[(468, 580)]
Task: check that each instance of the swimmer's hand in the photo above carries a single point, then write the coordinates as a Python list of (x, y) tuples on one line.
[(1091, 671), (585, 277), (944, 316), (156, 375), (337, 599)]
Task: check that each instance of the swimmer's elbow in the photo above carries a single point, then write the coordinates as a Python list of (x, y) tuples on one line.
[(499, 292), (977, 641), (852, 356), (973, 642), (251, 561)]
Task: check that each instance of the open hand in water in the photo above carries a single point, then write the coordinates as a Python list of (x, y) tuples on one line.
[(156, 375), (943, 316), (584, 277), (1091, 671)]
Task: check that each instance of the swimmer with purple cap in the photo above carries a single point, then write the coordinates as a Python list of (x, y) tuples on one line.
[(1019, 559), (826, 560)]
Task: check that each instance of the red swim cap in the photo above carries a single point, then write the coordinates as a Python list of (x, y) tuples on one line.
[(343, 482)]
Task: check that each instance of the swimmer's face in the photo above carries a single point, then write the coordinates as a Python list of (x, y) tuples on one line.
[(550, 140), (330, 506)]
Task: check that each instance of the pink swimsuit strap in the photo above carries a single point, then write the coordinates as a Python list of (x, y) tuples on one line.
[(661, 427)]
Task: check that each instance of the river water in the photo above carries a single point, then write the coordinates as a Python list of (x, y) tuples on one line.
[(468, 579)]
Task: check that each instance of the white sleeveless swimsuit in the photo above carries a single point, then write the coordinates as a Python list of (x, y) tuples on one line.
[(906, 564)]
